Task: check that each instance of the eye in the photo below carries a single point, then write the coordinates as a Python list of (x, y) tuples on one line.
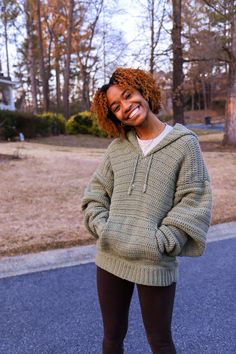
[(116, 108), (128, 95)]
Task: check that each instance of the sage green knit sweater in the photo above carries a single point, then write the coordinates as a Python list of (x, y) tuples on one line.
[(146, 210)]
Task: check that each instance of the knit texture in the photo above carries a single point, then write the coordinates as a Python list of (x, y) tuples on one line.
[(146, 210)]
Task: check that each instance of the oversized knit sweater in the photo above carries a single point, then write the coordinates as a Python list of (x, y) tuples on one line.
[(146, 210)]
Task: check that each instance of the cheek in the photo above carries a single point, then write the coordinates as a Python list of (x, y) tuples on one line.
[(144, 102), (117, 116), (145, 105)]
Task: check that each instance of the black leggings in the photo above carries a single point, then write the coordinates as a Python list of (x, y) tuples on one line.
[(156, 306)]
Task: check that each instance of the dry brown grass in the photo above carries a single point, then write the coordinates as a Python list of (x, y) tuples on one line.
[(41, 189), (198, 116)]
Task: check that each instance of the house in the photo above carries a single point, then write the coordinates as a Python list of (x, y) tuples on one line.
[(6, 93)]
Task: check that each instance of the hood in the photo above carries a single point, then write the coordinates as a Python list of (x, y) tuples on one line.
[(176, 133)]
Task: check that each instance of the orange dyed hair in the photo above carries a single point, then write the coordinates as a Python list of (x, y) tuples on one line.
[(125, 78)]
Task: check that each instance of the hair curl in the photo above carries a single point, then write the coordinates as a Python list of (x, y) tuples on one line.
[(126, 78)]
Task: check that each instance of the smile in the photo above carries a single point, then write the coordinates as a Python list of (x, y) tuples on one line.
[(134, 112)]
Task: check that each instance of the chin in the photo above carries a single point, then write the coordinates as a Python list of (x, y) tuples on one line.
[(140, 121)]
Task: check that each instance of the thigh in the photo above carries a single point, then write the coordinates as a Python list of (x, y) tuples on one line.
[(157, 308), (114, 296)]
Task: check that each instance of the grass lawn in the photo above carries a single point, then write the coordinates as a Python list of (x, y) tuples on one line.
[(42, 182)]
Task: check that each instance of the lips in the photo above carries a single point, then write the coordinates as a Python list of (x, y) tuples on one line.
[(134, 112)]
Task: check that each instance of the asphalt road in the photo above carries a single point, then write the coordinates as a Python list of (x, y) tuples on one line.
[(56, 311), (213, 127)]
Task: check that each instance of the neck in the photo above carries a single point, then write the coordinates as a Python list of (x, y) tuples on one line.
[(150, 129)]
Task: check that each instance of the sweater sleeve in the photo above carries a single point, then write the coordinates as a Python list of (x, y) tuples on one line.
[(183, 231), (96, 200)]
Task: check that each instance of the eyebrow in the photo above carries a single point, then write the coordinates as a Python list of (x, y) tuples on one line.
[(122, 95)]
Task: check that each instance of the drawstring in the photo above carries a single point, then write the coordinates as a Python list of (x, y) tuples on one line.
[(131, 186), (147, 174)]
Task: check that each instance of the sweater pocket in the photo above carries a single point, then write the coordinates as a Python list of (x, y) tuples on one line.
[(130, 238)]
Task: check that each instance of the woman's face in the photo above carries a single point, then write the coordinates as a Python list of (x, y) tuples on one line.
[(129, 106)]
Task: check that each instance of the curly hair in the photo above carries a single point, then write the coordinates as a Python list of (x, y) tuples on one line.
[(126, 78)]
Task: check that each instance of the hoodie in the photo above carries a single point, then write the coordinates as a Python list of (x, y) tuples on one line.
[(146, 210)]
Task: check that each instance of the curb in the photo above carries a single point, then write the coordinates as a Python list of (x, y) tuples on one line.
[(68, 257), (221, 231), (46, 260)]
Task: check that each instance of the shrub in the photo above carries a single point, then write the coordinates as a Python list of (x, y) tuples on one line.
[(7, 127), (12, 123), (96, 130), (83, 123), (54, 123)]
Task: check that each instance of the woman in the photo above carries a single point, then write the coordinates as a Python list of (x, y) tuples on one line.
[(148, 202)]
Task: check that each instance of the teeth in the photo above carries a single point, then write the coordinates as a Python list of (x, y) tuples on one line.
[(134, 112)]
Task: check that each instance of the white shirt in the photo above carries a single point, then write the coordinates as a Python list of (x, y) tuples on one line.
[(148, 145)]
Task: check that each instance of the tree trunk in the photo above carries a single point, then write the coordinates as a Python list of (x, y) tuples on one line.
[(178, 76), (66, 91), (6, 45), (230, 126), (192, 101), (57, 70), (199, 100), (41, 61), (29, 30), (84, 59), (204, 94), (152, 44), (85, 103)]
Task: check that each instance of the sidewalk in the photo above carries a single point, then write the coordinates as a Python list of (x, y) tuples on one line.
[(60, 258)]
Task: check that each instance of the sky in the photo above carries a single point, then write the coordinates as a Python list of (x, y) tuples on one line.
[(129, 20), (126, 17)]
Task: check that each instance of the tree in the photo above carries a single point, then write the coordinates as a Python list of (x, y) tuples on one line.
[(66, 90), (9, 11), (111, 48), (155, 28), (86, 57), (30, 30), (149, 44), (198, 46), (56, 27), (100, 48), (62, 53), (225, 11), (178, 76), (230, 127), (43, 74)]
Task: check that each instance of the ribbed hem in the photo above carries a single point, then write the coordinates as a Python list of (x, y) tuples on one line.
[(151, 275)]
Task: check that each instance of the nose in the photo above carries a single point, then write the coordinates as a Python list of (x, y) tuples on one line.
[(127, 106)]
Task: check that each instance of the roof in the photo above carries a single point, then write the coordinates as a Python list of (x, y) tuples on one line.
[(7, 81)]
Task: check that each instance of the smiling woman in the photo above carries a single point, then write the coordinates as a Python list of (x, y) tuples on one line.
[(132, 109), (148, 202), (126, 88)]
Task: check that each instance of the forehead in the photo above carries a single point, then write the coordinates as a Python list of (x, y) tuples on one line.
[(114, 93)]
